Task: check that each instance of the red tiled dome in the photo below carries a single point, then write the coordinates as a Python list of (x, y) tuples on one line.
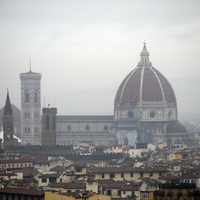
[(176, 127), (145, 84)]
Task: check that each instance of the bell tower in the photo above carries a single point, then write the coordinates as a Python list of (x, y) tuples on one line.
[(30, 108), (49, 126)]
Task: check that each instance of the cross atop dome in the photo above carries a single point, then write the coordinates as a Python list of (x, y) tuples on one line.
[(144, 57)]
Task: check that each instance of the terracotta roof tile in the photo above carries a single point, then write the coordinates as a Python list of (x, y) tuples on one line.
[(76, 185), (49, 176), (26, 191)]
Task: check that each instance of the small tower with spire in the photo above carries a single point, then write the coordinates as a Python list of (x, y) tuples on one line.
[(8, 124)]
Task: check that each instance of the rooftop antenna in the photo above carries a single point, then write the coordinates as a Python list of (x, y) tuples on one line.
[(30, 63), (44, 102)]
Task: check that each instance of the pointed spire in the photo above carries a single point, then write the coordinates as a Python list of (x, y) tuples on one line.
[(8, 107), (144, 57)]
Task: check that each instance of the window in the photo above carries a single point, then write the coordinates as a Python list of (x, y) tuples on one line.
[(122, 175), (36, 115), (52, 180), (108, 192), (145, 195), (130, 114), (141, 174), (112, 175), (78, 169), (47, 122), (8, 126), (69, 128), (44, 180), (131, 174), (152, 114), (102, 176), (54, 122), (36, 96), (87, 127), (119, 192), (36, 130), (26, 96)]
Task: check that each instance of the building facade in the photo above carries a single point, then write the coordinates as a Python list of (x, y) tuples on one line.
[(72, 129)]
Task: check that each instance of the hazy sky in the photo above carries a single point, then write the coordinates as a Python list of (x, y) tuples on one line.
[(82, 45)]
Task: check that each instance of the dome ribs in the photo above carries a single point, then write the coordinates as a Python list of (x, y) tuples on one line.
[(132, 88), (145, 84), (167, 88), (151, 88)]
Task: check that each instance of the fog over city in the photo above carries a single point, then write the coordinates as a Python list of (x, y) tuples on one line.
[(85, 48)]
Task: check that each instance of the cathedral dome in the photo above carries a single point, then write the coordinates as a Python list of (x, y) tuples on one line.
[(145, 84), (176, 127), (16, 114)]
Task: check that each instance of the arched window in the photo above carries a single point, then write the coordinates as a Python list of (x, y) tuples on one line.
[(36, 115), (29, 130), (47, 122), (36, 96), (27, 96), (25, 115), (25, 130), (54, 122), (28, 115)]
